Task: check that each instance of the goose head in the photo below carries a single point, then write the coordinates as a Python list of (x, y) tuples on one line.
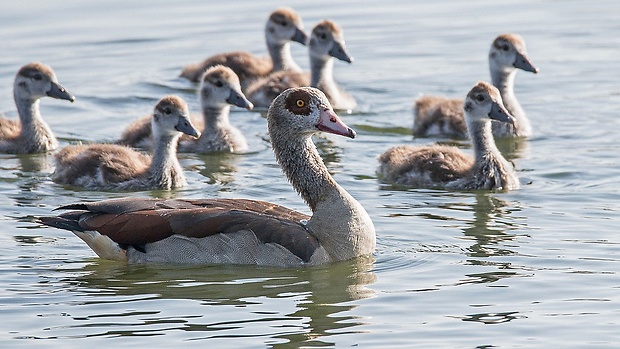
[(171, 117), (327, 40), (508, 53), (285, 25), (304, 111), (484, 102), (220, 87), (36, 80)]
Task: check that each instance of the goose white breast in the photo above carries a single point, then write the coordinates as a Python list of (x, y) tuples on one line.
[(116, 167), (219, 89), (283, 26), (31, 134), (326, 43), (238, 231), (441, 116), (448, 167)]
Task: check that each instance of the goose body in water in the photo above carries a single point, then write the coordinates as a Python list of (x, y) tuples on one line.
[(219, 89), (283, 26), (117, 167), (326, 43), (448, 167), (240, 231), (31, 134), (442, 116)]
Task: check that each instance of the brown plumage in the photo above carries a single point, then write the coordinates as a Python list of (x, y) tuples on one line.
[(283, 26), (240, 231), (117, 167), (448, 167), (31, 134), (441, 116)]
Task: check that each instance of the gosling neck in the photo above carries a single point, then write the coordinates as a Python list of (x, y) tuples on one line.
[(482, 140), (36, 134), (165, 170), (504, 80), (281, 57), (215, 118)]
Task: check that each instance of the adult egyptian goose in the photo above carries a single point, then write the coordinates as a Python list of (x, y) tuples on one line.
[(326, 42), (219, 89), (238, 231), (441, 116), (448, 167), (117, 167), (31, 134), (283, 26)]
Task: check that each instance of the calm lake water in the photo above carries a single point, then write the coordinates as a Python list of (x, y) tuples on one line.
[(534, 268)]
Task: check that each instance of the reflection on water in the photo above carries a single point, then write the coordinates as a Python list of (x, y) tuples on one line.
[(219, 168), (313, 302), (486, 228), (513, 148)]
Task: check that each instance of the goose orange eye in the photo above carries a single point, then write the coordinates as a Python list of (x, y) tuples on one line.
[(301, 103)]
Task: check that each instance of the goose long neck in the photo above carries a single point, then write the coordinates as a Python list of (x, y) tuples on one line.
[(28, 109), (281, 56), (304, 168), (215, 118), (35, 132), (504, 80), (482, 140), (341, 224), (322, 71), (165, 168)]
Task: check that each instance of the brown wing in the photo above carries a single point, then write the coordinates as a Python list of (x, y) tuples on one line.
[(133, 221), (444, 113), (246, 65), (115, 163), (9, 128), (441, 164)]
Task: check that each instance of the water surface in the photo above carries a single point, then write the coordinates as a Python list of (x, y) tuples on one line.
[(537, 267)]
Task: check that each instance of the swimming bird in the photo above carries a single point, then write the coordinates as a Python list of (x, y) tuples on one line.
[(219, 88), (326, 42), (283, 26), (117, 167), (448, 167), (241, 231), (438, 115), (31, 134)]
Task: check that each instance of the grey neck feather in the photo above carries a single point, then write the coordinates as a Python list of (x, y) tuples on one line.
[(165, 171), (322, 71), (304, 169), (482, 140), (215, 118), (491, 170), (35, 132), (340, 223), (281, 56)]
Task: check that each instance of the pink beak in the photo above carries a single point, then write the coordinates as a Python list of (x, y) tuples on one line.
[(331, 123)]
